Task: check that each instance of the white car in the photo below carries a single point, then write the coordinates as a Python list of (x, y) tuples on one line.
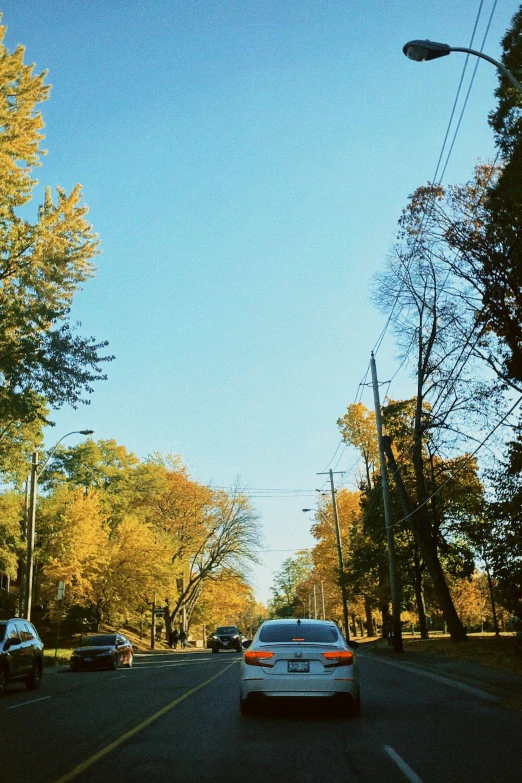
[(299, 658)]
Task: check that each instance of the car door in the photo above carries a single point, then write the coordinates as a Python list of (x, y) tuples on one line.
[(15, 651), (29, 644), (26, 648), (122, 649)]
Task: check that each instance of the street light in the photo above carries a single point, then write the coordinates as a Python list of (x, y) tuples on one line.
[(36, 471), (430, 50)]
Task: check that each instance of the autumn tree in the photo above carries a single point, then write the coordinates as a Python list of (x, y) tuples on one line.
[(11, 513), (42, 265), (224, 601), (358, 428), (72, 545)]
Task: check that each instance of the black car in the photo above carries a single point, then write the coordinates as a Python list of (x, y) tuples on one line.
[(226, 637), (105, 651), (21, 654)]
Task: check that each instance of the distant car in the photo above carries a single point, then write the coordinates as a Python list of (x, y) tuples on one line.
[(103, 651), (299, 658), (226, 637), (21, 654)]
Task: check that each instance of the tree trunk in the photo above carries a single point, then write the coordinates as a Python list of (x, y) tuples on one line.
[(387, 624), (421, 529), (369, 617), (354, 624), (419, 594), (493, 607)]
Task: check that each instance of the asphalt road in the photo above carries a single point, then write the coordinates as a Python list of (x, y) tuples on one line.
[(176, 717)]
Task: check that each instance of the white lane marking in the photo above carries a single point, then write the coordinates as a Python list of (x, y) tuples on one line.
[(119, 677), (439, 678), (25, 703), (404, 768)]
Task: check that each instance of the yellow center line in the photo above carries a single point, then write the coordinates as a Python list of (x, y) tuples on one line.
[(132, 732)]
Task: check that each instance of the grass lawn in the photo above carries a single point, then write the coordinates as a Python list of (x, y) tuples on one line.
[(62, 656), (503, 653)]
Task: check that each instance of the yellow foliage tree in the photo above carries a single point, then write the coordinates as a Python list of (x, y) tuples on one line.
[(74, 542), (358, 428)]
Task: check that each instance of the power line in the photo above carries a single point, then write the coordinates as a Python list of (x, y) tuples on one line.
[(429, 207), (463, 464)]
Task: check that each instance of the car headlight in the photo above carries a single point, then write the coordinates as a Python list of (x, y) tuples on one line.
[(75, 655)]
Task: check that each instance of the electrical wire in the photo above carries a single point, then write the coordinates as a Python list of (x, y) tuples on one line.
[(431, 202), (429, 207), (463, 464)]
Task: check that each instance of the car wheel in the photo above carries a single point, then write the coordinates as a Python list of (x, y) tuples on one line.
[(354, 707), (3, 681), (247, 706), (32, 683), (215, 650), (114, 664)]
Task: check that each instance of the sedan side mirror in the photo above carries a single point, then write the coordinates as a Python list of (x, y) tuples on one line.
[(353, 645), (14, 641), (247, 643)]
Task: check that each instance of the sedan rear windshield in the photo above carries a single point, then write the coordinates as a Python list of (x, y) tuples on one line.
[(304, 632), (99, 641)]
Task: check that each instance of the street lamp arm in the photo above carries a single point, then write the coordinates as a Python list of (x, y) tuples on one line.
[(43, 465), (498, 64), (431, 50)]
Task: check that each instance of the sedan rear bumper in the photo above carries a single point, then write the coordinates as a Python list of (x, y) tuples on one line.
[(290, 687)]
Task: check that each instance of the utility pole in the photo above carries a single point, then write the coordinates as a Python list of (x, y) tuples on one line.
[(322, 599), (392, 566), (31, 525), (184, 607), (315, 603), (339, 554), (153, 624)]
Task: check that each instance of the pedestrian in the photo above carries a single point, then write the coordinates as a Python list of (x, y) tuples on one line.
[(174, 636), (159, 632), (183, 638)]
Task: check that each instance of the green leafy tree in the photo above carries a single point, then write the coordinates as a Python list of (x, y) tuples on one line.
[(287, 590)]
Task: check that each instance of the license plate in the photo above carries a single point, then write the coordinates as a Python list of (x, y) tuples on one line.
[(298, 666), (87, 660)]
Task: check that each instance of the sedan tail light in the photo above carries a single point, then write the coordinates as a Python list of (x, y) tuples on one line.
[(338, 658), (258, 657)]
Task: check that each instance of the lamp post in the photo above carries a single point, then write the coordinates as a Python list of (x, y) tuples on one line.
[(36, 470), (430, 50)]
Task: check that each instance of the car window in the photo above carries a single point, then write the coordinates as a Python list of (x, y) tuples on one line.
[(100, 641), (13, 632), (299, 632), (227, 629), (24, 631)]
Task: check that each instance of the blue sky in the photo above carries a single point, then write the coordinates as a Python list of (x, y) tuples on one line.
[(245, 164)]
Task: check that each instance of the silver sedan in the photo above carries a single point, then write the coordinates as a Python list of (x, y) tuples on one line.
[(299, 658)]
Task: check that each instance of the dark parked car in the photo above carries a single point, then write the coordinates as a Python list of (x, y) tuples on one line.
[(104, 651), (226, 637), (21, 654)]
